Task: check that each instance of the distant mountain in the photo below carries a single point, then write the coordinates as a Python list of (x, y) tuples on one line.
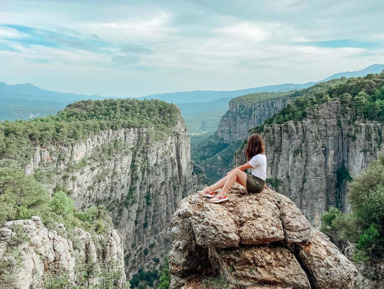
[(23, 101), (201, 96), (375, 68), (197, 105)]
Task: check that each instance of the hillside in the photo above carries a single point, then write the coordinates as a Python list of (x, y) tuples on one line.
[(318, 143), (130, 156), (24, 101), (215, 153), (209, 96)]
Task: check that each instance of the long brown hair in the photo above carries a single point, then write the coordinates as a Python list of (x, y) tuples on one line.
[(255, 146)]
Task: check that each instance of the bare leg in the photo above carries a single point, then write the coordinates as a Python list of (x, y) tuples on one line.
[(236, 176), (218, 185)]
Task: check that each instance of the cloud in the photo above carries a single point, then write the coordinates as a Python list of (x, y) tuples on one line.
[(340, 43), (10, 33), (143, 47), (130, 48), (125, 59), (244, 30)]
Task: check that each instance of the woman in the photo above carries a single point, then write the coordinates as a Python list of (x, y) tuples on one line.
[(255, 183)]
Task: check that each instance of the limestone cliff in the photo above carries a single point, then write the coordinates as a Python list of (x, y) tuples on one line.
[(241, 117), (32, 256), (253, 241), (246, 112), (216, 154), (311, 160), (139, 174)]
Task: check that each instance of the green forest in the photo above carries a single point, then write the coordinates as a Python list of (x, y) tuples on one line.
[(364, 94), (364, 224), (208, 151), (81, 120)]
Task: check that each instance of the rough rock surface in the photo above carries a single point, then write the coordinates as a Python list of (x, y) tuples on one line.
[(309, 160), (139, 174), (253, 241), (30, 253), (233, 129), (239, 118)]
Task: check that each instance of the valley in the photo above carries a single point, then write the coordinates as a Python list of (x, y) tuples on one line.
[(125, 165)]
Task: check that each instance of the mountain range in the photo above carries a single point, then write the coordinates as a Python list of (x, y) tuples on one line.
[(201, 109)]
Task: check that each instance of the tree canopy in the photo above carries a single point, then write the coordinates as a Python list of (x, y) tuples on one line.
[(82, 119), (364, 224), (365, 95)]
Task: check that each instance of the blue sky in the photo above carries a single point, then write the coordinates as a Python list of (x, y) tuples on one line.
[(137, 48)]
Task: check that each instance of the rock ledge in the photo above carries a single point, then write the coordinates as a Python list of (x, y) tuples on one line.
[(253, 241)]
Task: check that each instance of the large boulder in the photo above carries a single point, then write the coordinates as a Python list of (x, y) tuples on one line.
[(253, 241), (34, 256)]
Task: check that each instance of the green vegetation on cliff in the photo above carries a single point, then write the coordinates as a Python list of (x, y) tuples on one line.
[(81, 120), (254, 98), (216, 156), (364, 224), (22, 197), (364, 94)]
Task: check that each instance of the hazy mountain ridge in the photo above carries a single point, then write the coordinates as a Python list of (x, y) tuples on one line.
[(23, 101)]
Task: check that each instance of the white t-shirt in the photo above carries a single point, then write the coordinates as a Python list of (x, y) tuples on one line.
[(259, 164)]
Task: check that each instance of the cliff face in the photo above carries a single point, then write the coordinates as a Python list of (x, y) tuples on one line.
[(216, 154), (31, 254), (311, 160), (240, 117), (138, 174), (253, 241)]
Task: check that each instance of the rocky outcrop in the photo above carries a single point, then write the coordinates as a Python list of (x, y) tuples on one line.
[(371, 275), (311, 160), (253, 241), (241, 117), (139, 174), (32, 256)]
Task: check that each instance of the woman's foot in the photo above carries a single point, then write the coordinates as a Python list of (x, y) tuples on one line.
[(220, 198), (206, 193)]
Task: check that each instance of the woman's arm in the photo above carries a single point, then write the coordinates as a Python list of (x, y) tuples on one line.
[(242, 167)]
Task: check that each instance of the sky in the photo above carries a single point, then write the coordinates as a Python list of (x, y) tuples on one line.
[(137, 48)]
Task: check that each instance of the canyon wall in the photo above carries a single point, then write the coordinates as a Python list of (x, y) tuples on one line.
[(264, 242), (33, 256), (312, 160), (216, 154), (139, 174), (240, 117)]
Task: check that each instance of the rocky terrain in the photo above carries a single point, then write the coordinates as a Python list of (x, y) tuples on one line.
[(253, 241), (215, 155), (241, 117), (31, 254), (139, 174), (311, 160)]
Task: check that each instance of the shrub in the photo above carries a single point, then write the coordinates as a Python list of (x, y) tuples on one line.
[(364, 224)]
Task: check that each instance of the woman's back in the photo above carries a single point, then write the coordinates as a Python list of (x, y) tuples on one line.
[(259, 164)]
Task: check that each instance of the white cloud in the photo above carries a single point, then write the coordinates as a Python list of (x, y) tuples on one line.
[(144, 30), (244, 30), (148, 46), (6, 32)]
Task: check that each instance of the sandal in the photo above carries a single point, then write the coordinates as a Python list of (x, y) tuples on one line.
[(206, 193), (219, 199)]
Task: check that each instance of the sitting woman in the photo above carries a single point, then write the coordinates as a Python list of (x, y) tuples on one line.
[(255, 183)]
